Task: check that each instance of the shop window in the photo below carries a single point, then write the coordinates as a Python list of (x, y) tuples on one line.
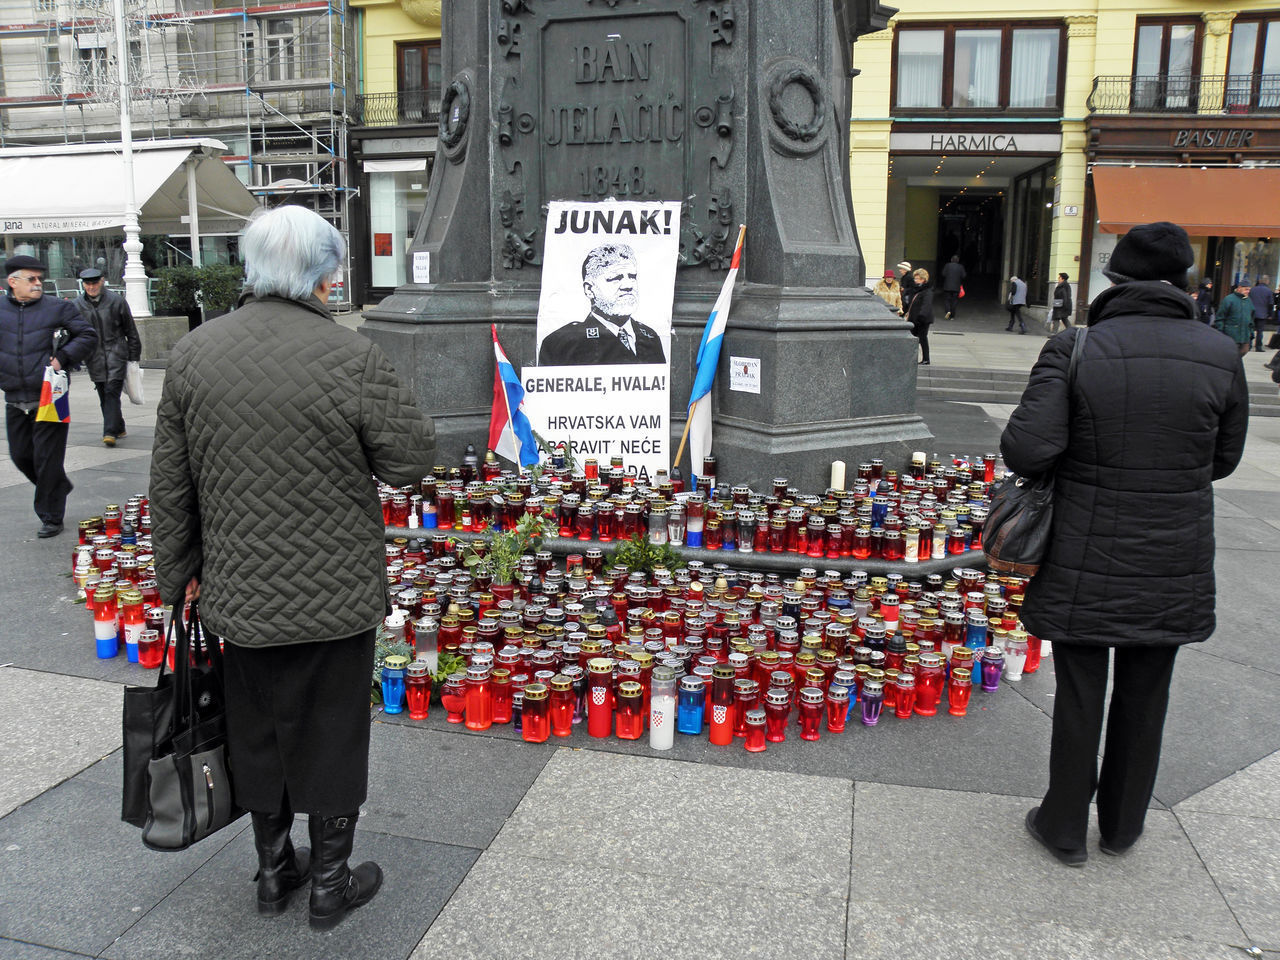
[(979, 67), (1253, 67), (418, 75), (1166, 65)]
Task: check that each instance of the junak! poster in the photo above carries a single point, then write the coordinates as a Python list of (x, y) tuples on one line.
[(602, 382)]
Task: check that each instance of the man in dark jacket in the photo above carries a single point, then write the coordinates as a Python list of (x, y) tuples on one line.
[(118, 343), (1157, 412), (953, 274), (1262, 301), (610, 334), (29, 324), (1235, 316)]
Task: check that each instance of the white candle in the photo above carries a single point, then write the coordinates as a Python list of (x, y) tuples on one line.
[(837, 474)]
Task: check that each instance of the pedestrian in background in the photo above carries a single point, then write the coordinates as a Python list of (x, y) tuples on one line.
[(1016, 300), (118, 343), (1158, 409), (1263, 302), (37, 332), (1061, 304), (953, 274), (888, 290), (1234, 316), (906, 284), (1204, 301), (920, 313), (271, 422)]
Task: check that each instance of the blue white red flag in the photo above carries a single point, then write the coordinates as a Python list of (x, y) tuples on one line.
[(708, 360), (510, 434)]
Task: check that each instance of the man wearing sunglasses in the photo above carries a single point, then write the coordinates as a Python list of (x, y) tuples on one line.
[(36, 332)]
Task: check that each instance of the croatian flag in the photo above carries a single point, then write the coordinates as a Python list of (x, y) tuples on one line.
[(510, 434), (708, 358)]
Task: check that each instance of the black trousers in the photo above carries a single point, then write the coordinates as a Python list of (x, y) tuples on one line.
[(952, 297), (921, 331), (1015, 313), (109, 400), (298, 721), (37, 448), (1257, 332), (1131, 756)]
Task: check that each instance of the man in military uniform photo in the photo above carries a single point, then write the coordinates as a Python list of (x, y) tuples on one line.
[(608, 335)]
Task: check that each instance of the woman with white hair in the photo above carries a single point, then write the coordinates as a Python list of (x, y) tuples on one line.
[(273, 422)]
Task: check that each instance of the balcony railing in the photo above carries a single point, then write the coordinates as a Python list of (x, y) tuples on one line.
[(392, 109), (1234, 93)]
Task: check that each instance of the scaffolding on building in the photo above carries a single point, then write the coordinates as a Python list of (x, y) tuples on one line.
[(270, 80)]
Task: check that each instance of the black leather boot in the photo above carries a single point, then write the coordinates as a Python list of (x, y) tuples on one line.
[(335, 887), (281, 870)]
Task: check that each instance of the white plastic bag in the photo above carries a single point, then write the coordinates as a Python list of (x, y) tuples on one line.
[(133, 382)]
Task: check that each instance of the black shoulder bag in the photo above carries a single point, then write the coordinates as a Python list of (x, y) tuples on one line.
[(177, 779), (1016, 534)]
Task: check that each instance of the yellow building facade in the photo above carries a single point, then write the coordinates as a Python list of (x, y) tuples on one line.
[(978, 135), (393, 137)]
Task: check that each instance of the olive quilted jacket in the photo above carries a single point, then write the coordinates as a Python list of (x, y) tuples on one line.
[(272, 423)]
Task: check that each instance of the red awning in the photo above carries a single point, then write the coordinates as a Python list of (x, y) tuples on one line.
[(1235, 202)]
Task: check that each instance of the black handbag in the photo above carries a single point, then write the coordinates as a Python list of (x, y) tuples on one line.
[(1016, 533), (1274, 342), (180, 781)]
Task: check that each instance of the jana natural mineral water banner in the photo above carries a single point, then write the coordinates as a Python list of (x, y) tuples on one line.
[(602, 383)]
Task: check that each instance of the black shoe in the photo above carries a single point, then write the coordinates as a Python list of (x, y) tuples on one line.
[(1009, 328), (1273, 362), (923, 363), (49, 530), (1071, 858), (1114, 849), (335, 887), (281, 870)]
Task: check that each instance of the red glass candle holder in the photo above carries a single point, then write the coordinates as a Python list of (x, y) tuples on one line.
[(562, 704), (812, 703), (630, 720), (756, 740), (777, 711), (959, 689), (905, 696), (453, 697), (535, 717), (417, 689)]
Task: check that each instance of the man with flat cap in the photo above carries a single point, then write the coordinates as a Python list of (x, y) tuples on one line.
[(118, 343), (609, 334), (36, 332)]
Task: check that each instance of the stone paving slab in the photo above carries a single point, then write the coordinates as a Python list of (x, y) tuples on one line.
[(1243, 855), (690, 822), (517, 907), (214, 913), (1253, 792), (66, 724), (1222, 717), (916, 847), (450, 789), (17, 950), (914, 929), (75, 877)]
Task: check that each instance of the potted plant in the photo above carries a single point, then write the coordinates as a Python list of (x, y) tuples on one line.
[(220, 287), (496, 557), (177, 293), (640, 555)]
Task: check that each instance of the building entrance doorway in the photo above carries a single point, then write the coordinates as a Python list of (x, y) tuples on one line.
[(971, 227)]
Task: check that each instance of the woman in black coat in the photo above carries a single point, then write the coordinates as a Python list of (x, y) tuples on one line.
[(1204, 301), (1061, 304), (1158, 410), (920, 312)]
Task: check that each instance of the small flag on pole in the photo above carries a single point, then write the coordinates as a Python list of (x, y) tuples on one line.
[(698, 429), (510, 434)]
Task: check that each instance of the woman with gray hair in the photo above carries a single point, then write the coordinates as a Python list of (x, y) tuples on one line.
[(273, 422)]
